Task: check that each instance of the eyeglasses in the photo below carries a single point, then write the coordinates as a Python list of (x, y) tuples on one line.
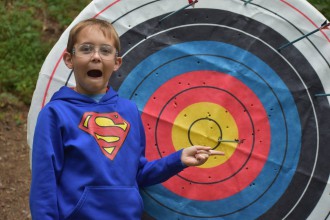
[(88, 50)]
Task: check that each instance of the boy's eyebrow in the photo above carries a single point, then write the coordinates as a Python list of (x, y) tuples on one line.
[(107, 45), (85, 43)]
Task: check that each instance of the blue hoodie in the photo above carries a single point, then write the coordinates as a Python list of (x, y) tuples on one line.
[(88, 159)]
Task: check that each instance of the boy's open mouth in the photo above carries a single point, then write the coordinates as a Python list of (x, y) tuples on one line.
[(94, 73)]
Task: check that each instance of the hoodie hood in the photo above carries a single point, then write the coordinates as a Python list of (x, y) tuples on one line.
[(69, 95)]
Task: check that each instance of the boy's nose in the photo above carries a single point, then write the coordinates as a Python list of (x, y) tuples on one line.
[(96, 56)]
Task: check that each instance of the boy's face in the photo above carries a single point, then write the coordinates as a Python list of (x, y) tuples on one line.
[(92, 71)]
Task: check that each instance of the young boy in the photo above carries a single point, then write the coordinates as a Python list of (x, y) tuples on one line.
[(88, 152)]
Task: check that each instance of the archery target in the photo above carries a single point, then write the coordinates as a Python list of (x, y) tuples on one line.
[(212, 75)]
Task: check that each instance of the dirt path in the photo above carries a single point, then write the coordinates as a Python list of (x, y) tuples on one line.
[(14, 164)]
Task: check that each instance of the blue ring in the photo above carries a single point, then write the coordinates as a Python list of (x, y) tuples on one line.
[(284, 121)]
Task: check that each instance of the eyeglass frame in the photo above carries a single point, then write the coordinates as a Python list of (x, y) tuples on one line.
[(74, 52)]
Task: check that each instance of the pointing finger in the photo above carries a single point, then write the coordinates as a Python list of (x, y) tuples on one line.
[(216, 152)]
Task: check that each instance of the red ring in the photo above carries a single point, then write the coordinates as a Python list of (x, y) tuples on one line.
[(249, 158)]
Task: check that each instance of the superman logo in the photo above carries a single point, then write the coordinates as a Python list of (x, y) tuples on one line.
[(109, 130)]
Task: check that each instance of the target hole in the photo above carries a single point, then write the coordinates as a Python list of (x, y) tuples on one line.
[(252, 184)]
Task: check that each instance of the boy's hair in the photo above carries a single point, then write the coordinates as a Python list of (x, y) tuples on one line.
[(105, 27)]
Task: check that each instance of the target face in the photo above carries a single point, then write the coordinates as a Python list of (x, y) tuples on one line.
[(212, 75)]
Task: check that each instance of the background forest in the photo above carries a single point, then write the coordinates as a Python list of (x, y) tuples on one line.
[(30, 28)]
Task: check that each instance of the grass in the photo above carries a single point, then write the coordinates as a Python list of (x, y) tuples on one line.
[(29, 29)]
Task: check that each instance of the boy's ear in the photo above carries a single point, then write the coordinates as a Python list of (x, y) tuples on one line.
[(118, 63), (67, 58)]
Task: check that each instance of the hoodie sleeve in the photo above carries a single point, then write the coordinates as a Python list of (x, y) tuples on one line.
[(46, 159), (157, 171)]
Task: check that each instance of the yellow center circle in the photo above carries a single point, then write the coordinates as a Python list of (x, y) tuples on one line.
[(206, 124), (205, 132)]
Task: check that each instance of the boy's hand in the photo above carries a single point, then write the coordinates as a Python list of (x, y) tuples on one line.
[(197, 155)]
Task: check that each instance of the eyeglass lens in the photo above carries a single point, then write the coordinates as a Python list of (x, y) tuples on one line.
[(87, 50)]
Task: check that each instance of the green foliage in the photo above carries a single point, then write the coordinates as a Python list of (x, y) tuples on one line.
[(25, 42), (323, 6), (21, 49), (64, 11)]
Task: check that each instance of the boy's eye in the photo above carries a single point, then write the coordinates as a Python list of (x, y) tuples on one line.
[(86, 48), (106, 50)]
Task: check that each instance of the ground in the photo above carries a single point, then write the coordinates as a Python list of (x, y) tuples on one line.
[(15, 172)]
